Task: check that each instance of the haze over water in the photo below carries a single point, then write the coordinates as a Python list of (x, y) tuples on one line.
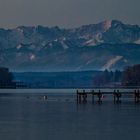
[(30, 117)]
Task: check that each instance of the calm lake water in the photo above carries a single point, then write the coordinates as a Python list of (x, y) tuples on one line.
[(29, 117)]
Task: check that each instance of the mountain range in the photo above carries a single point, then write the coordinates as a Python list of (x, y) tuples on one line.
[(110, 44)]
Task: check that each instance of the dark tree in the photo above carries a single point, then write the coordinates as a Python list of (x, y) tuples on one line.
[(6, 78), (131, 76), (107, 78)]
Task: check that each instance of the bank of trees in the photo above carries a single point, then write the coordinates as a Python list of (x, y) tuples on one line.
[(108, 78), (131, 76), (6, 78)]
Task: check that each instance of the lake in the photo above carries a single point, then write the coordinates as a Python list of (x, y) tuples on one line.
[(27, 116)]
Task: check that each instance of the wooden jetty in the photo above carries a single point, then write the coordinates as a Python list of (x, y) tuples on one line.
[(82, 95)]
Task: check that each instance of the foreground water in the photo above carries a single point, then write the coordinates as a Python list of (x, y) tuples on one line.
[(30, 117)]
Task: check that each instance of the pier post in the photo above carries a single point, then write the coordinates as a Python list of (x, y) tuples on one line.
[(117, 95), (84, 96), (92, 96), (114, 96), (77, 95), (137, 95), (99, 96), (80, 98)]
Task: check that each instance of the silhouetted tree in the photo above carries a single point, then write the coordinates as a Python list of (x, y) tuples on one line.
[(6, 77), (131, 76), (106, 78)]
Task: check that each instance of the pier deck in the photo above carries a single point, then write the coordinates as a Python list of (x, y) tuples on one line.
[(116, 93)]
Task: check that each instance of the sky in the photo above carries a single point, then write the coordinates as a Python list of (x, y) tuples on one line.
[(66, 13)]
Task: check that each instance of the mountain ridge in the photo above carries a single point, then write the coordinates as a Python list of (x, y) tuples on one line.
[(54, 48)]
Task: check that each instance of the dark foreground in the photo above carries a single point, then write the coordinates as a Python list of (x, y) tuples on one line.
[(31, 117)]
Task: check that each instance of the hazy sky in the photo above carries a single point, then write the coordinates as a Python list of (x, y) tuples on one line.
[(66, 13)]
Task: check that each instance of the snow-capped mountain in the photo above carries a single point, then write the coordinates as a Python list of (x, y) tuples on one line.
[(106, 45)]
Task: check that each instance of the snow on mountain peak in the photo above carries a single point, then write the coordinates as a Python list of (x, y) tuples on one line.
[(20, 30), (107, 24), (90, 42), (137, 42), (65, 46), (32, 57), (19, 46)]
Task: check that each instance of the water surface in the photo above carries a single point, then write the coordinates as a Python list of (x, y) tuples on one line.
[(30, 117)]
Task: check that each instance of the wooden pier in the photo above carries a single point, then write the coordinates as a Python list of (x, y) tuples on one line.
[(82, 95)]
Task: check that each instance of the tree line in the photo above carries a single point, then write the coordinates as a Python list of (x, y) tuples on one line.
[(130, 76), (6, 78), (108, 78)]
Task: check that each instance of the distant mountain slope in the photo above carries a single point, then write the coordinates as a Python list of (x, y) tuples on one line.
[(107, 45)]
